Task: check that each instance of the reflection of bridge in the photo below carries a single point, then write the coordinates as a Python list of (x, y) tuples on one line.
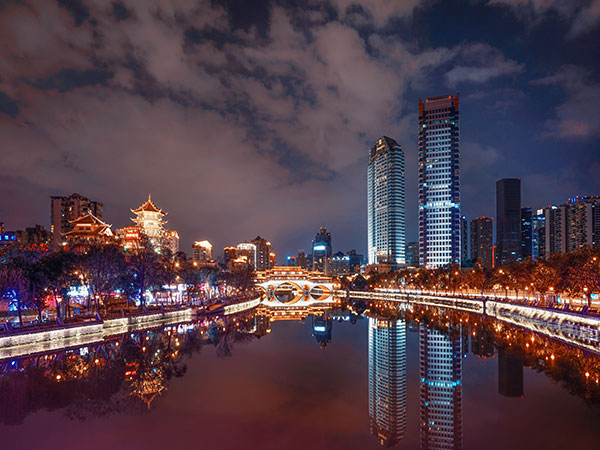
[(567, 326), (293, 286)]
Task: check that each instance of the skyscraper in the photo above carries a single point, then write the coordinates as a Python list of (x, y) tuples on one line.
[(322, 250), (526, 233), (385, 203), (387, 380), (508, 220), (64, 210), (441, 390), (482, 241), (464, 238), (412, 254), (439, 185)]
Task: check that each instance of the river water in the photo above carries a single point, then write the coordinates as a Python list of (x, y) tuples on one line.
[(308, 379)]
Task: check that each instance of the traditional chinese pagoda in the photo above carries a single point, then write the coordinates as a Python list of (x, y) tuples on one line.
[(150, 220)]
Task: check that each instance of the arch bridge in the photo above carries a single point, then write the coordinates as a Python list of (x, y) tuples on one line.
[(294, 286)]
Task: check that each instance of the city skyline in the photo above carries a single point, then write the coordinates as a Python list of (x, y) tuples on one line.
[(276, 140)]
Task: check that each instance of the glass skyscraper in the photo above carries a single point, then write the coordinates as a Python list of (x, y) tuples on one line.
[(385, 203), (387, 380), (441, 389), (439, 186)]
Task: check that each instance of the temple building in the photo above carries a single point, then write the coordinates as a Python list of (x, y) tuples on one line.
[(87, 230), (149, 220)]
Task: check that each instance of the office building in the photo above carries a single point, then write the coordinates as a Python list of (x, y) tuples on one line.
[(322, 328), (482, 242), (441, 389), (386, 203), (322, 250), (387, 380), (439, 182), (64, 210), (526, 233), (7, 238), (508, 220)]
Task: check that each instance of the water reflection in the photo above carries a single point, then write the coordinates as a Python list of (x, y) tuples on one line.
[(440, 388), (129, 372), (387, 380)]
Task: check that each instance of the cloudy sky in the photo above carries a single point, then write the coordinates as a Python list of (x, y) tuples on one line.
[(255, 117)]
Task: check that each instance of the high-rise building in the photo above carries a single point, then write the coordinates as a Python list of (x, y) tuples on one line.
[(412, 254), (387, 380), (229, 254), (582, 223), (556, 230), (247, 251), (439, 182), (510, 374), (202, 252), (538, 235), (508, 220), (464, 239), (482, 230), (304, 261), (386, 203), (441, 389), (322, 250), (526, 233), (64, 210), (263, 251)]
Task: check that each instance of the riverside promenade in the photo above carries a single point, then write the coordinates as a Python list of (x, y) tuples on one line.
[(573, 327)]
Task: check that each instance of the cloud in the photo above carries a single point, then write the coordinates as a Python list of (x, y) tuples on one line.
[(582, 16), (481, 63), (577, 115), (8, 106), (378, 12)]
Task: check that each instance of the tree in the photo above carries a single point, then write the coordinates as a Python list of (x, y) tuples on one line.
[(101, 268), (143, 263), (58, 268)]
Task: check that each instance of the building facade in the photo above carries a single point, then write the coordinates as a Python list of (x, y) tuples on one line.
[(386, 203), (439, 182), (64, 210), (387, 380), (482, 230), (508, 220)]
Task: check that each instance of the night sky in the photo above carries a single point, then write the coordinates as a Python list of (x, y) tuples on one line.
[(245, 118)]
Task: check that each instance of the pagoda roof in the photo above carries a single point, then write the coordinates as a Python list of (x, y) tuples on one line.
[(148, 206), (88, 219)]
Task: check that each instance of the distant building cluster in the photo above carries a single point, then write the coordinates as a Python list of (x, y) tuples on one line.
[(322, 259)]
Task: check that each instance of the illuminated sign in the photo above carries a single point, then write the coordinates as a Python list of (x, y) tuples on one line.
[(320, 247)]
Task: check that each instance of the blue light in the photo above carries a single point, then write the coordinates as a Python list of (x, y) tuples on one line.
[(320, 247), (320, 328)]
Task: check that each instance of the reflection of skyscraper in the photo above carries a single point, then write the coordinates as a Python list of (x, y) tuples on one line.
[(510, 375), (322, 326), (441, 390), (387, 380)]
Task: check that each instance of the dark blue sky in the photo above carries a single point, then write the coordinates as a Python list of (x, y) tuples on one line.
[(245, 118)]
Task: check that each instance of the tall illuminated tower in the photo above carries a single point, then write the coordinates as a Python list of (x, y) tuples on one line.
[(385, 203), (439, 184), (387, 380), (441, 390)]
